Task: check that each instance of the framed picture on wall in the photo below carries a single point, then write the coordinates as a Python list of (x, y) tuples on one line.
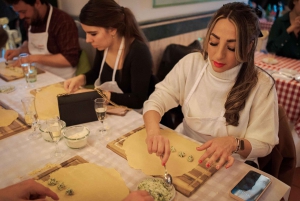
[(163, 3)]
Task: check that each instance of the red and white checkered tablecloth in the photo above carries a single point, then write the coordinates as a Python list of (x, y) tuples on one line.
[(265, 25), (288, 91)]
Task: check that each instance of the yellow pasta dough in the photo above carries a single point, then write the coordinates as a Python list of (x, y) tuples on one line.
[(139, 158), (46, 101), (7, 117), (89, 182)]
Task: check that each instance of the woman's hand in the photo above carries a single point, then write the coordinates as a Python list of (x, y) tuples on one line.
[(295, 26), (10, 54), (27, 190), (73, 84), (156, 143), (159, 145), (219, 150)]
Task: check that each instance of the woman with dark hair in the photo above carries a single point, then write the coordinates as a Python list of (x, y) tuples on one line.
[(123, 63), (3, 37), (284, 37), (228, 104)]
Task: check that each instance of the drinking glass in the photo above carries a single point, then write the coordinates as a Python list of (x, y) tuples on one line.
[(31, 75), (54, 127), (25, 65), (100, 108), (30, 115)]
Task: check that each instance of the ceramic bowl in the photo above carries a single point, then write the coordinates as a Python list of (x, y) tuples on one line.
[(157, 188), (76, 137)]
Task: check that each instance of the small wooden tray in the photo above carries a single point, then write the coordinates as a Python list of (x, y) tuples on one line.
[(11, 78), (72, 161), (187, 183), (15, 127)]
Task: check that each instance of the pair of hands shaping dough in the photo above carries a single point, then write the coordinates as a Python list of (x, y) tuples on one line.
[(218, 149)]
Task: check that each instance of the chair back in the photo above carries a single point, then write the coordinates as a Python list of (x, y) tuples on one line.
[(262, 41), (281, 162), (172, 54)]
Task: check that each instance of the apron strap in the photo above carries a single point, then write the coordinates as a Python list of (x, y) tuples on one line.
[(117, 60), (196, 84), (48, 19)]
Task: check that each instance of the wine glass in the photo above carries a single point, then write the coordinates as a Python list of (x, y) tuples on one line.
[(25, 65), (54, 127), (100, 108), (30, 115)]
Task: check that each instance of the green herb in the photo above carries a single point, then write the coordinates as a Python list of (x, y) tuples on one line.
[(61, 186), (69, 192), (52, 182)]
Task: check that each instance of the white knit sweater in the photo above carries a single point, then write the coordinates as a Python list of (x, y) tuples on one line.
[(258, 121)]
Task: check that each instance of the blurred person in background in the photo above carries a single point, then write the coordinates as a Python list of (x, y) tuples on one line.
[(123, 63), (7, 11), (52, 37), (284, 37)]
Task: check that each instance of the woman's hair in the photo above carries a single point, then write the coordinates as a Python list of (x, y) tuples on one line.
[(291, 4), (108, 14), (245, 21), (3, 37)]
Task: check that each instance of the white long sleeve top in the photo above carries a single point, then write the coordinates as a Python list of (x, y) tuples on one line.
[(258, 121)]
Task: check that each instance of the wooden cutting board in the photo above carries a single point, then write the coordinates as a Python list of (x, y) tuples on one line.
[(15, 127), (13, 77), (187, 183), (70, 162)]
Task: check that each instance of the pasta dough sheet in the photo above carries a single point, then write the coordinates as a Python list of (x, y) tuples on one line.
[(7, 117), (12, 72), (46, 101), (138, 157), (89, 182)]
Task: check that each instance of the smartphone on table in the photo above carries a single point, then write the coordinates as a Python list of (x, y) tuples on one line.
[(250, 187)]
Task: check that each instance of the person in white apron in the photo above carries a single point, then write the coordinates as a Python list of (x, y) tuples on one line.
[(122, 66), (232, 121), (37, 45), (111, 86), (47, 33)]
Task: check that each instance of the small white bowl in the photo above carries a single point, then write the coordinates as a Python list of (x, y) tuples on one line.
[(76, 136)]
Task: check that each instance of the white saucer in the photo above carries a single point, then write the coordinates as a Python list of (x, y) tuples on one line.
[(282, 77), (288, 72), (269, 61)]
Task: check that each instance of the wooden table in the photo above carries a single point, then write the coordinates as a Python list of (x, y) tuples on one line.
[(20, 156)]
